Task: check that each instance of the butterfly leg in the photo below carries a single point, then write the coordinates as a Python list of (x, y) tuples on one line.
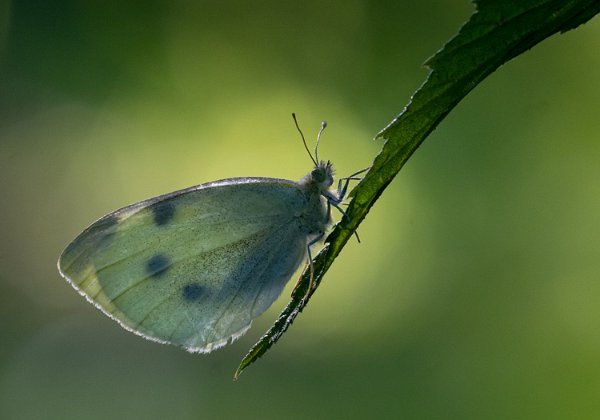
[(311, 267), (336, 199), (344, 182)]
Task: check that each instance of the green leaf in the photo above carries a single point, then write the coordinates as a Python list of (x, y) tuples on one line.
[(497, 32)]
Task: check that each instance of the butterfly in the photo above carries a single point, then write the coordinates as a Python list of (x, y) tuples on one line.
[(194, 267)]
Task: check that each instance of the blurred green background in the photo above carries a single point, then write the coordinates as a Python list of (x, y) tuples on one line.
[(474, 294)]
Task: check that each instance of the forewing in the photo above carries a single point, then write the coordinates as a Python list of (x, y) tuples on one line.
[(193, 267)]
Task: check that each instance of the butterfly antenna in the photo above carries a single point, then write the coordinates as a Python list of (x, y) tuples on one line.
[(323, 125), (303, 139)]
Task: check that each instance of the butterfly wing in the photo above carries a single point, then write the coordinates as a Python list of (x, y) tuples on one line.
[(193, 267)]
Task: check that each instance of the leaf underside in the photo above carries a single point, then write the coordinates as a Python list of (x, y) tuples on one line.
[(495, 33)]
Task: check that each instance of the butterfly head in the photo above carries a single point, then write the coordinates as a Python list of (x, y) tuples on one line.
[(322, 175)]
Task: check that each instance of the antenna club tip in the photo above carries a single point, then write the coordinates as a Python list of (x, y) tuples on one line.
[(323, 124)]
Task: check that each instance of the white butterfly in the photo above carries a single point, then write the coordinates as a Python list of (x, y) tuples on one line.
[(196, 266)]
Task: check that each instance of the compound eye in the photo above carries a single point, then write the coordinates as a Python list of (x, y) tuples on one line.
[(318, 175)]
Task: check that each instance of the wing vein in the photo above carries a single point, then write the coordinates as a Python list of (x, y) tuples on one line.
[(234, 295)]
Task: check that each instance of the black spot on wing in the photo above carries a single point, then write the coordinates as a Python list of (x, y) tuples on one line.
[(192, 292), (163, 212), (157, 265)]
